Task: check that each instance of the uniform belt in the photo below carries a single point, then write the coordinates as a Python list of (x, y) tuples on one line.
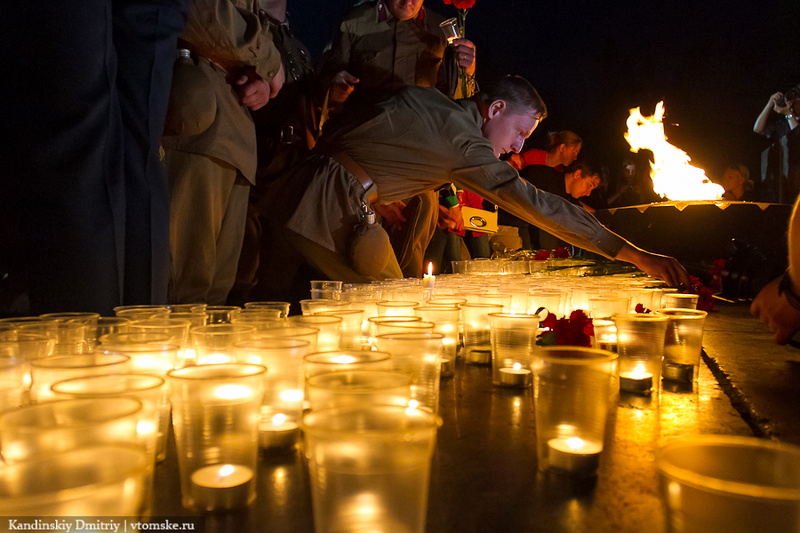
[(341, 157)]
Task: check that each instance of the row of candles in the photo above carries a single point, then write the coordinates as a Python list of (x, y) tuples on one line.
[(237, 380)]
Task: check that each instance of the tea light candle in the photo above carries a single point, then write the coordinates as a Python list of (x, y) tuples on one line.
[(574, 454), (638, 381), (277, 433), (678, 372), (222, 486), (429, 280), (516, 376)]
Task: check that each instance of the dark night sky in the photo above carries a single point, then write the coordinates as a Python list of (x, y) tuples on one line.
[(714, 63)]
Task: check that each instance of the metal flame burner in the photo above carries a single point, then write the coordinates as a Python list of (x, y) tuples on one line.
[(750, 235)]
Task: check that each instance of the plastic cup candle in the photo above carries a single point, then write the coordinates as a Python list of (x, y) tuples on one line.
[(282, 402), (572, 395), (477, 332), (605, 335), (730, 484), (215, 417), (574, 454), (225, 486), (513, 340), (684, 343), (640, 344), (369, 467)]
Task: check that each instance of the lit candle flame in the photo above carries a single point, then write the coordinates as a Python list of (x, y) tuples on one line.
[(575, 443), (225, 471), (344, 359), (516, 366), (430, 268), (279, 419)]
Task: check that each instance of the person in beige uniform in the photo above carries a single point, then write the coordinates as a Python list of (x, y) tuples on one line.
[(413, 142), (210, 171), (379, 47)]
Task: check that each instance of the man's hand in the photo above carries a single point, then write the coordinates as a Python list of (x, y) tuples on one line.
[(776, 312), (342, 85), (658, 266), (449, 218), (254, 91), (465, 54), (391, 213)]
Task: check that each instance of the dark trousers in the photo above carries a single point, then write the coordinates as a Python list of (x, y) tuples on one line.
[(83, 101)]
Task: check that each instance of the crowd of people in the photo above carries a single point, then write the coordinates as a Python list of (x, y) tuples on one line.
[(243, 168)]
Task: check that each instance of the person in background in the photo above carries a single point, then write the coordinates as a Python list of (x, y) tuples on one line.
[(285, 132), (211, 170), (418, 141), (778, 304), (778, 123), (634, 186), (737, 184), (562, 150), (379, 47), (84, 100), (577, 181)]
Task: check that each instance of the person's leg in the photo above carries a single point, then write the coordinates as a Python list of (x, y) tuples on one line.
[(61, 176), (145, 38), (410, 242), (200, 188), (229, 242)]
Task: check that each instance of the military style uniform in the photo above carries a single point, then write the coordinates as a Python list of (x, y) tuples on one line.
[(412, 143)]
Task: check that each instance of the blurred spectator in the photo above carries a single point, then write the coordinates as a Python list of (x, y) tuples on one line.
[(84, 100), (737, 184), (211, 170), (562, 150), (285, 133), (634, 186), (576, 182), (778, 123)]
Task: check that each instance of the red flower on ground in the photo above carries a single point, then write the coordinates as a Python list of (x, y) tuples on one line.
[(542, 255), (577, 330), (640, 308), (461, 4), (561, 253)]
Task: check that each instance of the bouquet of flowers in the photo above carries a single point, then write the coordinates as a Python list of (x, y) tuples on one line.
[(577, 330)]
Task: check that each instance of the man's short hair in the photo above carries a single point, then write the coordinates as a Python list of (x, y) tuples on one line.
[(587, 169), (517, 92)]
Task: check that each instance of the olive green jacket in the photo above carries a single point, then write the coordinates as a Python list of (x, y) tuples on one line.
[(417, 141), (385, 53), (227, 37)]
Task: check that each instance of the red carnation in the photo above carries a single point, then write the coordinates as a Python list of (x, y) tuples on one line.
[(461, 4), (542, 255), (561, 253)]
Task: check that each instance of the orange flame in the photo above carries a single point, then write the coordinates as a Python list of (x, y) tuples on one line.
[(673, 176)]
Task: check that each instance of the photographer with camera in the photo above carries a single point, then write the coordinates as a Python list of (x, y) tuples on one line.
[(778, 123)]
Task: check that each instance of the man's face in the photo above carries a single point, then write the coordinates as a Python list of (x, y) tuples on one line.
[(580, 185), (507, 130), (569, 154), (404, 9)]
